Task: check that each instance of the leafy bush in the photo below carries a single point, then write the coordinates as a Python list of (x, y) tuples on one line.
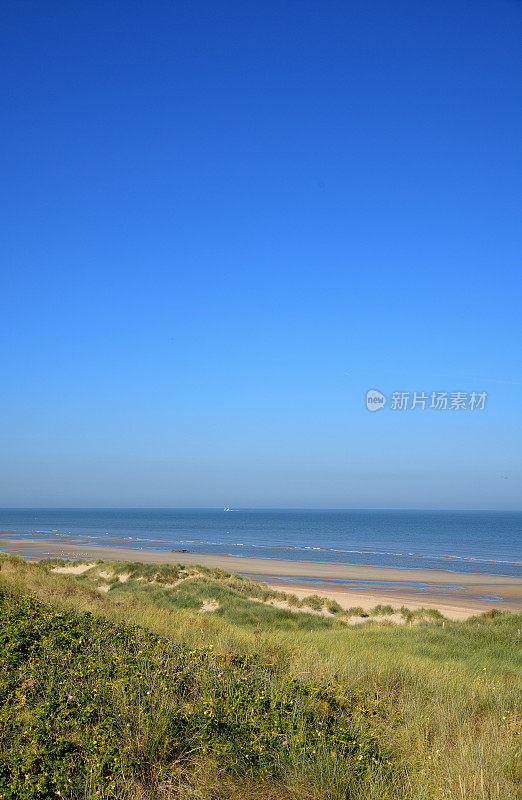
[(89, 704)]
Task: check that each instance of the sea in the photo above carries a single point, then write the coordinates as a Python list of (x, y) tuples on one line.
[(488, 542)]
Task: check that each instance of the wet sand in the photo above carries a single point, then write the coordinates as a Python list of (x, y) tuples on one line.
[(456, 595)]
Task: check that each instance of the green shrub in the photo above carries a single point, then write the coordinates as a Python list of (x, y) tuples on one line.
[(87, 702)]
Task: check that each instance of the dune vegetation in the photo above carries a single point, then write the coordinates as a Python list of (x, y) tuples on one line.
[(135, 681)]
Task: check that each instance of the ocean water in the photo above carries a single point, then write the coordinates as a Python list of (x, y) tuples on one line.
[(461, 541)]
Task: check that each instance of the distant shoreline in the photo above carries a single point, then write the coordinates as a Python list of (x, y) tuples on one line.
[(455, 594)]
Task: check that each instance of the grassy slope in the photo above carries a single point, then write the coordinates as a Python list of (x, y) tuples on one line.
[(176, 586), (438, 704)]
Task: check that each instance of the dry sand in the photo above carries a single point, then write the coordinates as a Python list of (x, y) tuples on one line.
[(456, 595), (452, 606)]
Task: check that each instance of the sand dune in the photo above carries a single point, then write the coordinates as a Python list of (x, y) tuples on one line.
[(456, 595)]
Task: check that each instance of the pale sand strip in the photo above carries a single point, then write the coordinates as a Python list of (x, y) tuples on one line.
[(456, 603), (452, 606)]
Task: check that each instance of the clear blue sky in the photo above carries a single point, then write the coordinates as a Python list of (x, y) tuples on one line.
[(223, 222)]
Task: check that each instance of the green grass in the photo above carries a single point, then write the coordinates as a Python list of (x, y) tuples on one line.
[(433, 711), (238, 598)]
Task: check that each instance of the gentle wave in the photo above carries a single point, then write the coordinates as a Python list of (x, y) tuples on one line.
[(274, 546), (441, 557)]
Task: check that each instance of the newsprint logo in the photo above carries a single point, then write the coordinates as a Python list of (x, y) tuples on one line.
[(436, 401)]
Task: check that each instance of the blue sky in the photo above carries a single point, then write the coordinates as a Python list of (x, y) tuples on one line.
[(223, 222)]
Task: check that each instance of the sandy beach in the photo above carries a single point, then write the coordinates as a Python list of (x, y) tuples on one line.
[(456, 595)]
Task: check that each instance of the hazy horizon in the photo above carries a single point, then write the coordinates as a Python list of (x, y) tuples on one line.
[(259, 508)]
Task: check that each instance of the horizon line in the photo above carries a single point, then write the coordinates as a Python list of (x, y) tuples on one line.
[(250, 508)]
